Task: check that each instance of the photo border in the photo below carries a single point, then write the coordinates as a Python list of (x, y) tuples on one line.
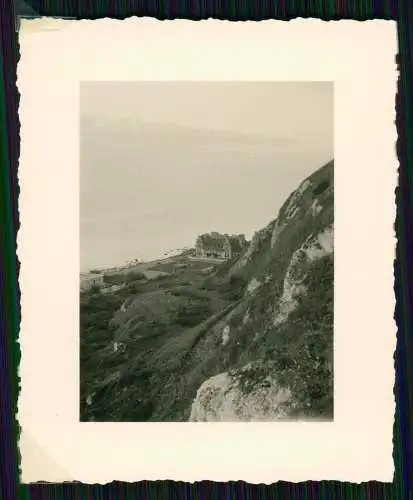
[(9, 266)]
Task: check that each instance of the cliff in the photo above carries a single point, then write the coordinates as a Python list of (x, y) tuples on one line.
[(277, 350), (251, 341)]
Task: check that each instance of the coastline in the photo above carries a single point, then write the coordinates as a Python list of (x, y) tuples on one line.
[(134, 264)]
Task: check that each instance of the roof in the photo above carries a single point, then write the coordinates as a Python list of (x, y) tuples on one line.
[(216, 240), (212, 240)]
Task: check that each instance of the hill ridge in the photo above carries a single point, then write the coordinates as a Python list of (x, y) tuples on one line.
[(251, 339)]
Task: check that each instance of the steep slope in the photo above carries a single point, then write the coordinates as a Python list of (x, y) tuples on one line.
[(251, 341), (278, 344)]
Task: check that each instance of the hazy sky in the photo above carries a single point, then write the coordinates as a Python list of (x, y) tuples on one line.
[(163, 162)]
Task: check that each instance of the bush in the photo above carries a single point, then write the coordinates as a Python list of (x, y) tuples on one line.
[(234, 288), (133, 288), (162, 277), (302, 347), (209, 284), (320, 188), (134, 276), (95, 288), (113, 279), (193, 314)]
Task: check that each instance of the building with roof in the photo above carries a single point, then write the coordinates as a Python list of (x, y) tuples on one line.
[(90, 280), (220, 246)]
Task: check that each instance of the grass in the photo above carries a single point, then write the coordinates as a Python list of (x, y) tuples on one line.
[(171, 327), (157, 346)]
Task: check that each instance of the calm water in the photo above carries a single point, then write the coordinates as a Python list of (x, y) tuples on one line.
[(147, 189)]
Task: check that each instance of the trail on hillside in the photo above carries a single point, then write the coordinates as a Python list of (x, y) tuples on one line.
[(187, 339)]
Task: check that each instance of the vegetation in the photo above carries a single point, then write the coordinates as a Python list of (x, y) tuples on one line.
[(146, 348), (132, 276), (233, 288), (150, 340), (321, 187), (193, 314), (302, 348), (96, 312), (113, 279)]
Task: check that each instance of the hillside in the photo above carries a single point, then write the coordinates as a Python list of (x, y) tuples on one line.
[(251, 339)]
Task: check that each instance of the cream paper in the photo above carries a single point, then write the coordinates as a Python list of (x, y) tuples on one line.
[(359, 57)]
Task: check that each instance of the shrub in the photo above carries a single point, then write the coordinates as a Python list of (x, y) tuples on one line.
[(95, 288), (134, 276), (133, 288), (209, 284), (320, 188), (161, 277), (113, 279), (234, 288), (193, 314)]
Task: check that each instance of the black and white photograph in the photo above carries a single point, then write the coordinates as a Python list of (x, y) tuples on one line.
[(206, 251)]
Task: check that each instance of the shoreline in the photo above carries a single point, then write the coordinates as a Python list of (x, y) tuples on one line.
[(133, 264)]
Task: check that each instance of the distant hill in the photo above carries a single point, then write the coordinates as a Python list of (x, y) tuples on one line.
[(251, 339)]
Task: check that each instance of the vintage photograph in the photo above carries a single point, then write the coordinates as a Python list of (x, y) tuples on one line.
[(206, 251)]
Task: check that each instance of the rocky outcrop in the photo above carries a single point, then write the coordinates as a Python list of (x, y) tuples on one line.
[(233, 396), (285, 321), (250, 340), (315, 247), (259, 240)]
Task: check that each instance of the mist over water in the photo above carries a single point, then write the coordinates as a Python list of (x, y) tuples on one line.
[(147, 187)]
